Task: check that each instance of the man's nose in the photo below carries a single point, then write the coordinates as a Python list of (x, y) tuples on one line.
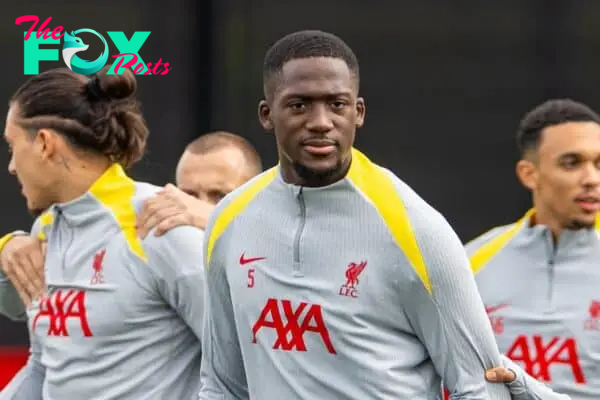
[(591, 175), (320, 119)]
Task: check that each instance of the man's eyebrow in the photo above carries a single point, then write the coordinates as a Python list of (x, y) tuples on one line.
[(568, 154), (311, 96)]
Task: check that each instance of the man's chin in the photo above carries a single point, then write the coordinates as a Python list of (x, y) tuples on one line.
[(321, 165), (315, 172), (35, 212), (586, 222)]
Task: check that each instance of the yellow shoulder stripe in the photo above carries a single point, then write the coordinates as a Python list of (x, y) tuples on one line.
[(46, 219), (5, 239), (373, 182), (484, 254), (115, 191), (235, 207)]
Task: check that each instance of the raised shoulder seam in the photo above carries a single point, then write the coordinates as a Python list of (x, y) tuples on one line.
[(232, 206)]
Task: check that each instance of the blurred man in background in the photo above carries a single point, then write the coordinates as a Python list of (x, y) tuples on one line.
[(211, 167), (215, 164), (540, 277)]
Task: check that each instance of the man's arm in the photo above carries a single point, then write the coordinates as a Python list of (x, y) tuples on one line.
[(28, 383), (521, 385), (21, 272), (176, 261), (11, 305), (22, 268), (447, 313), (223, 375)]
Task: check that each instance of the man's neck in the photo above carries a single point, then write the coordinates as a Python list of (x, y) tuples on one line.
[(543, 216), (78, 179)]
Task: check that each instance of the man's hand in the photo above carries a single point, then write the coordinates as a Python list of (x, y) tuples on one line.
[(495, 375), (22, 260), (170, 208), (500, 375)]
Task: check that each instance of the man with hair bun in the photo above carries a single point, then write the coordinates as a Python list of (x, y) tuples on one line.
[(122, 316)]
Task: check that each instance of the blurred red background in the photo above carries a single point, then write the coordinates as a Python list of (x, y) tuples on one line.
[(11, 360)]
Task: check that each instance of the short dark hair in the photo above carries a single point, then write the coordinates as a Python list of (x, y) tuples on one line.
[(550, 113), (98, 113), (218, 140), (306, 44)]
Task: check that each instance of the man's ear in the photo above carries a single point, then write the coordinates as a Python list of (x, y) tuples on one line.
[(46, 143), (527, 174), (361, 110), (264, 115)]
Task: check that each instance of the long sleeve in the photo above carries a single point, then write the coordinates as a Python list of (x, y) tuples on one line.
[(11, 305), (176, 260), (447, 313), (29, 382), (525, 387), (223, 375)]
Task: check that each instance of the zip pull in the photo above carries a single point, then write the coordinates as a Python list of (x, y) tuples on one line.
[(552, 248), (296, 270)]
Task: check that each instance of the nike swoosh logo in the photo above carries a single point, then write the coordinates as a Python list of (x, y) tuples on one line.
[(492, 309), (244, 261)]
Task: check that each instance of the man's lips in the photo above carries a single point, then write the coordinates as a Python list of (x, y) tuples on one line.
[(319, 147), (589, 203)]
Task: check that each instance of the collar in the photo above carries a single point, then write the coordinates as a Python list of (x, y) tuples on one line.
[(112, 191), (359, 170), (580, 237)]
